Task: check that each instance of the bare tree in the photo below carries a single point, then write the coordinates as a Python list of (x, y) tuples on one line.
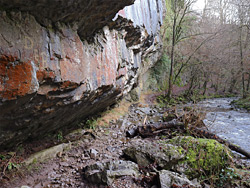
[(180, 8)]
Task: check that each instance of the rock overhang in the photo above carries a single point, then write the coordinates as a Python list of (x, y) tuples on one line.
[(51, 77), (86, 16)]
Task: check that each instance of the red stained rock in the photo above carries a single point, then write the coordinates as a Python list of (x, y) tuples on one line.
[(44, 75), (68, 85), (64, 74), (15, 78)]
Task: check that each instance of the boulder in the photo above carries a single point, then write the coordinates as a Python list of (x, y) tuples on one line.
[(183, 154), (168, 179), (135, 94), (105, 173), (145, 152), (202, 156), (47, 154)]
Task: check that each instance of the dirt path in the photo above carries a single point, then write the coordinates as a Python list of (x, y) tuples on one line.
[(101, 144), (94, 145), (65, 170)]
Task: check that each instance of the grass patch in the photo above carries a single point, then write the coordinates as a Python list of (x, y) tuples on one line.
[(164, 101), (107, 116), (242, 103)]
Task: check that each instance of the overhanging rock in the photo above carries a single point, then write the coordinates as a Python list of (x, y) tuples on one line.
[(65, 61)]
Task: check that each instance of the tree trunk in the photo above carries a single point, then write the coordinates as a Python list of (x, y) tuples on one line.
[(191, 85), (242, 66), (170, 84), (204, 88), (248, 82)]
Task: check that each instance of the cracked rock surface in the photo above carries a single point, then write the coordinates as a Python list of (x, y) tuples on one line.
[(63, 61), (87, 16)]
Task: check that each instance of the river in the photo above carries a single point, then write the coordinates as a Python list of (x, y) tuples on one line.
[(226, 121)]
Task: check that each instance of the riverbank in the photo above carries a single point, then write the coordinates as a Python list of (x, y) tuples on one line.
[(242, 103), (226, 121), (96, 147)]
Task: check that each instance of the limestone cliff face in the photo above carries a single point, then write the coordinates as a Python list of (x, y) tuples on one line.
[(63, 61)]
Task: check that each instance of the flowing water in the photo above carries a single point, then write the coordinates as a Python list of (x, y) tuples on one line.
[(227, 122), (221, 118)]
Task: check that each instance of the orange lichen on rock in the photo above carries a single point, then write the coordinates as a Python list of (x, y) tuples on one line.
[(44, 75), (68, 85), (15, 77)]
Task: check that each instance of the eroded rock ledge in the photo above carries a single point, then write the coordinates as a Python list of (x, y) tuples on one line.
[(87, 16), (51, 76)]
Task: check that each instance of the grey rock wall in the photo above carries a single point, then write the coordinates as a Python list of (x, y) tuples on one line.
[(61, 62)]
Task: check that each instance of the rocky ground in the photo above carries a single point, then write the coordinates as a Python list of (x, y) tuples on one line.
[(105, 156)]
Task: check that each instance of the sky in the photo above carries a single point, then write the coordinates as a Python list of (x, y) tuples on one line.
[(199, 5)]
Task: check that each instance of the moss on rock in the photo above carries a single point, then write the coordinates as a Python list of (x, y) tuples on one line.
[(204, 157), (146, 152)]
